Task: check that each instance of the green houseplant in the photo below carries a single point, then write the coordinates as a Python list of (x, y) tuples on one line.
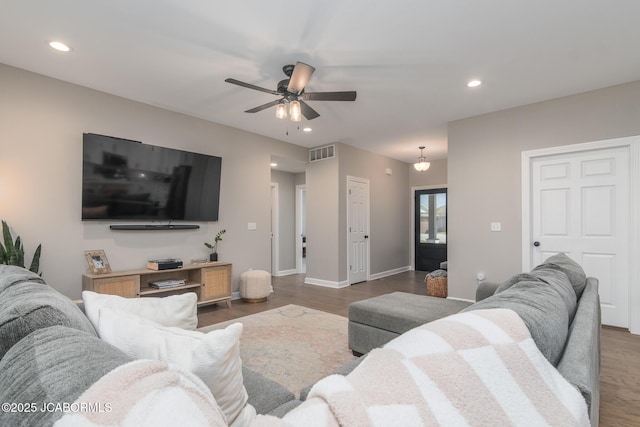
[(12, 253), (213, 256)]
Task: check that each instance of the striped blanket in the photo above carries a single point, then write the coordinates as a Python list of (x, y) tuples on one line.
[(144, 393), (479, 368)]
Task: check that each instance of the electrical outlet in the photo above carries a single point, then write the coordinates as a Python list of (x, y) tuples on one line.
[(496, 226)]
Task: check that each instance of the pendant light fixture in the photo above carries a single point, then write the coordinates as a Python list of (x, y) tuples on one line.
[(421, 165)]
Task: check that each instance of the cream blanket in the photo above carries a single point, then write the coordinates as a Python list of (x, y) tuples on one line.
[(479, 368), (144, 393)]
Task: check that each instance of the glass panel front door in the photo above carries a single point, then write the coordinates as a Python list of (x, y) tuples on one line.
[(431, 228)]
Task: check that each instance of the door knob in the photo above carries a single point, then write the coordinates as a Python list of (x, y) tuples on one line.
[(536, 243)]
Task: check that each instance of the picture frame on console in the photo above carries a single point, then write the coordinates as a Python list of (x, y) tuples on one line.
[(97, 261)]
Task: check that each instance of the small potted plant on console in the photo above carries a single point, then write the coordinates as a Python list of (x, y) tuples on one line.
[(213, 256)]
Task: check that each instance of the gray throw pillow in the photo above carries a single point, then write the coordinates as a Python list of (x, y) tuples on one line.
[(572, 269), (28, 304), (520, 277), (542, 310), (53, 365), (561, 284)]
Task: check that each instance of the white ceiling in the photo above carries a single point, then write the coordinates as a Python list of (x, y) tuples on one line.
[(409, 60)]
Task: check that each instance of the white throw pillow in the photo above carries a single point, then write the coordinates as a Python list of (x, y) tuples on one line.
[(180, 311), (214, 357)]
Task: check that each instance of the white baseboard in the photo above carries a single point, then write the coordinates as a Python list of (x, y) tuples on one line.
[(326, 283), (286, 272), (461, 299), (388, 273)]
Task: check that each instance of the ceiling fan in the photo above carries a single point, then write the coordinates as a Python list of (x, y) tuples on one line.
[(291, 91)]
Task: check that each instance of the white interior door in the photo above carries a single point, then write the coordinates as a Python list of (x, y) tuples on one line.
[(358, 229), (580, 206)]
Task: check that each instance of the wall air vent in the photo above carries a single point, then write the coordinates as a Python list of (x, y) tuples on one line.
[(321, 153)]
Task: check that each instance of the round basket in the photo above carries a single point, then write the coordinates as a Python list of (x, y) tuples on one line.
[(437, 287)]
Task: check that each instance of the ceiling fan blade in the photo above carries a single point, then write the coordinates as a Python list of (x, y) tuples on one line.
[(308, 112), (300, 77), (264, 106), (250, 86), (330, 96)]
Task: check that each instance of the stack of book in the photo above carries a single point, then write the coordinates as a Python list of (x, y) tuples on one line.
[(164, 284)]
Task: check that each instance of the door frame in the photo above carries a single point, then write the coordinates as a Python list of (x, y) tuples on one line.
[(300, 219), (633, 144), (412, 222), (275, 233), (367, 259)]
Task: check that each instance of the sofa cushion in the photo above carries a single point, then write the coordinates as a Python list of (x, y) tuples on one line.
[(28, 304), (572, 269), (400, 311), (266, 395), (180, 311), (214, 357), (11, 274), (541, 308), (54, 364)]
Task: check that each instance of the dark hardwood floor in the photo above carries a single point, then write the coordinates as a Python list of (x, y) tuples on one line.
[(619, 380)]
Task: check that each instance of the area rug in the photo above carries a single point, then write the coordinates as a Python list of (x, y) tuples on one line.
[(293, 345)]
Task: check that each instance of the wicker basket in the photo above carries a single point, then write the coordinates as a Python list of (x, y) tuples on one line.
[(437, 287)]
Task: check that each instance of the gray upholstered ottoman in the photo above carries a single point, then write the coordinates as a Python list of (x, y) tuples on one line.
[(375, 321)]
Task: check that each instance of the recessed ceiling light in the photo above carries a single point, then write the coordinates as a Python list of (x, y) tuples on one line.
[(59, 46), (307, 129), (274, 164), (474, 83)]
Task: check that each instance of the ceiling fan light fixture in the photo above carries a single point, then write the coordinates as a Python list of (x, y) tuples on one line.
[(421, 165), (281, 110), (294, 111)]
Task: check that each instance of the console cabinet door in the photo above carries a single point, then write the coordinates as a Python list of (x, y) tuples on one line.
[(124, 286), (216, 283)]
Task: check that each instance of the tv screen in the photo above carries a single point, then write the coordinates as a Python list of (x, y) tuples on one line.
[(128, 180)]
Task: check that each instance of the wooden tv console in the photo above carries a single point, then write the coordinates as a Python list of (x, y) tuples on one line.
[(210, 281)]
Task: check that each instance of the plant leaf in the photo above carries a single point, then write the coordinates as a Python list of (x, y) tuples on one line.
[(35, 262), (8, 242)]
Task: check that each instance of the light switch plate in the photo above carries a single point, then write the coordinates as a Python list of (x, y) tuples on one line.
[(252, 226)]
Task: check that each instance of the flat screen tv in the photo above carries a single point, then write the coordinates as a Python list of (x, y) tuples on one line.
[(128, 180)]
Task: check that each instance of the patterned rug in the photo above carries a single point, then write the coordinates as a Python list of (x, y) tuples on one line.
[(293, 345)]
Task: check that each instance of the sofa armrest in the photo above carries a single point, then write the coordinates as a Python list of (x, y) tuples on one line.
[(580, 362), (485, 290)]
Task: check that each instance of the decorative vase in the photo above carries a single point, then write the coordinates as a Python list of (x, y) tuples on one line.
[(213, 256)]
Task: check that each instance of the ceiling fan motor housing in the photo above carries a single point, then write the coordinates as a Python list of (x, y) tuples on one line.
[(282, 86), (288, 69)]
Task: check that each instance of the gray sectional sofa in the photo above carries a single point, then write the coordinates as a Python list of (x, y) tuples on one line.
[(558, 303), (49, 350)]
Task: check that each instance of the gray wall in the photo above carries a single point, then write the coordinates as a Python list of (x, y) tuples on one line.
[(326, 182), (323, 251), (389, 211), (436, 175), (42, 122), (484, 176)]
